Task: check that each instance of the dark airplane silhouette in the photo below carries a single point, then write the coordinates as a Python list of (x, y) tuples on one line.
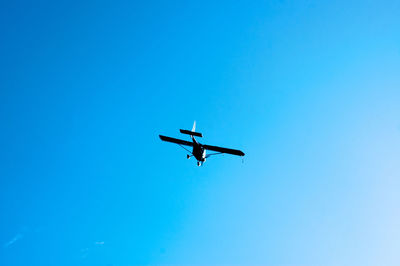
[(199, 150)]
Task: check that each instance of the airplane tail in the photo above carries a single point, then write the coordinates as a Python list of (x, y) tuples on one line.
[(191, 132), (194, 126)]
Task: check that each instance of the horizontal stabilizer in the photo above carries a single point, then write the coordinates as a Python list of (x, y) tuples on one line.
[(192, 133)]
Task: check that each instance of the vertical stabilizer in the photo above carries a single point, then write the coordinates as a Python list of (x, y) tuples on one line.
[(192, 132)]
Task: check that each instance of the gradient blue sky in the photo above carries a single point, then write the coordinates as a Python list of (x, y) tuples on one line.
[(309, 90)]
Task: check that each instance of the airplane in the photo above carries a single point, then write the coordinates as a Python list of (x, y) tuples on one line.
[(199, 150)]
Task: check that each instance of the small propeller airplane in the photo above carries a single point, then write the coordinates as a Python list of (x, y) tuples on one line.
[(199, 150)]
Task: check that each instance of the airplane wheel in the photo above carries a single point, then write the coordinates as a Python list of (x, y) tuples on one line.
[(188, 156), (198, 164)]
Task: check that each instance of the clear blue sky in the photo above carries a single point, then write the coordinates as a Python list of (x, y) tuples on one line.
[(309, 90)]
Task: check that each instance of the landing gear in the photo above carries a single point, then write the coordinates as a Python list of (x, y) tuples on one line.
[(198, 163), (188, 156)]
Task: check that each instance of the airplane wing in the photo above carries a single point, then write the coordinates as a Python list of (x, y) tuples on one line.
[(223, 150), (177, 141)]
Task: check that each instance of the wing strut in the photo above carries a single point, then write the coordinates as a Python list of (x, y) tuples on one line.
[(186, 149), (211, 154)]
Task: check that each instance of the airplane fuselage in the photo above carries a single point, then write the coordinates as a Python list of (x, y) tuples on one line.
[(198, 151)]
